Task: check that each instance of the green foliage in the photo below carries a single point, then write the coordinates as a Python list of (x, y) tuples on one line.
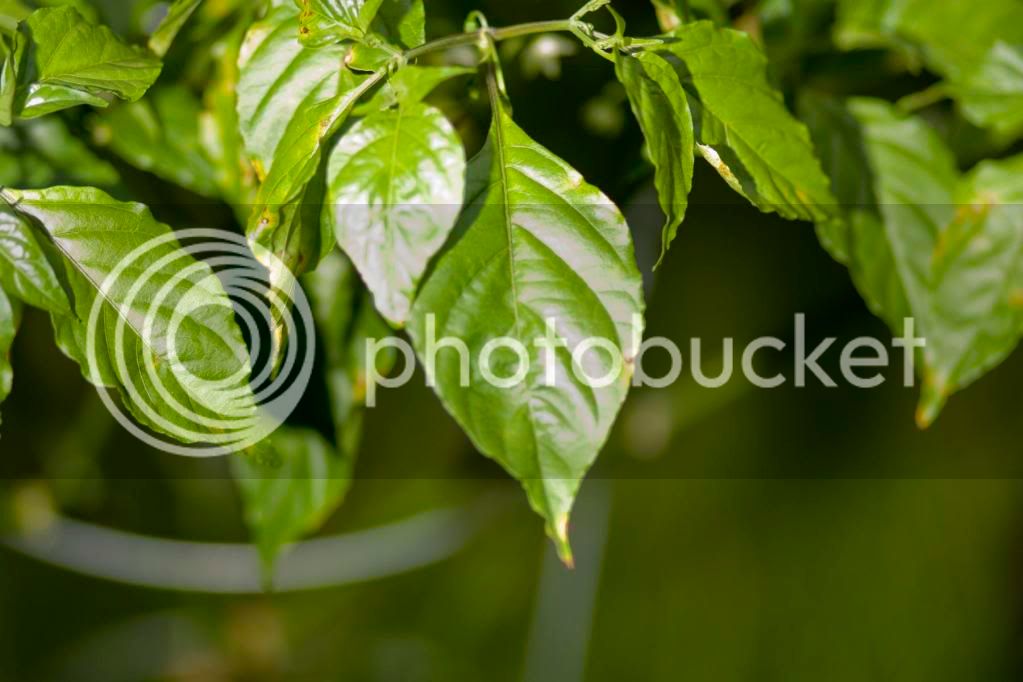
[(316, 121)]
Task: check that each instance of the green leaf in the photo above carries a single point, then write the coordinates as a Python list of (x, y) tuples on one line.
[(395, 185), (278, 79), (12, 46), (277, 223), (177, 15), (661, 107), (673, 13), (535, 243), (402, 22), (290, 484), (26, 271), (70, 62), (926, 244), (160, 134), (67, 155), (166, 334), (10, 316), (331, 21), (743, 127), (951, 38), (991, 95)]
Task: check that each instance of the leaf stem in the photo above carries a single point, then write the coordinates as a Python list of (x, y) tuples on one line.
[(495, 34)]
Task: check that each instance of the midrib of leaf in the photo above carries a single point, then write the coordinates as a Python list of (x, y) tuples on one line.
[(502, 163)]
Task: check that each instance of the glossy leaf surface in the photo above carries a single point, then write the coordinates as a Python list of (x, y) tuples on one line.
[(395, 186), (536, 243)]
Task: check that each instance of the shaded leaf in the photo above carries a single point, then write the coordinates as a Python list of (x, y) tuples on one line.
[(289, 484), (660, 106), (331, 21), (160, 134), (10, 316), (991, 95)]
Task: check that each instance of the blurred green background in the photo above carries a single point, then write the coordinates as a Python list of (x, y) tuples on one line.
[(731, 534)]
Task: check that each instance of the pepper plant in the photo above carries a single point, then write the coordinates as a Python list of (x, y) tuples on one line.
[(314, 121)]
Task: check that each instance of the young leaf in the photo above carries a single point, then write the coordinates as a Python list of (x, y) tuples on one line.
[(172, 23), (188, 389), (401, 22), (660, 106), (289, 485), (536, 243), (26, 271), (160, 134), (331, 21), (395, 185), (70, 62), (742, 126)]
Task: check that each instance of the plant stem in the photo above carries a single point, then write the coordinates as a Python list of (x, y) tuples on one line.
[(495, 34)]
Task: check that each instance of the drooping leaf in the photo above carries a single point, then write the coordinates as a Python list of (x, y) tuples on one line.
[(177, 15), (536, 243), (25, 270), (395, 186), (149, 319), (70, 61), (925, 244), (160, 134), (742, 125), (991, 94), (332, 21), (661, 107), (289, 485)]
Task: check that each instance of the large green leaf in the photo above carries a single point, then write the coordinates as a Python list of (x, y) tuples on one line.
[(164, 333), (395, 186), (161, 134), (924, 244), (536, 243), (71, 62), (661, 107), (742, 125), (25, 270), (289, 485), (177, 15)]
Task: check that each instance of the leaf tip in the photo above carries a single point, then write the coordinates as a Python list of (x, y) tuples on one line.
[(559, 533)]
